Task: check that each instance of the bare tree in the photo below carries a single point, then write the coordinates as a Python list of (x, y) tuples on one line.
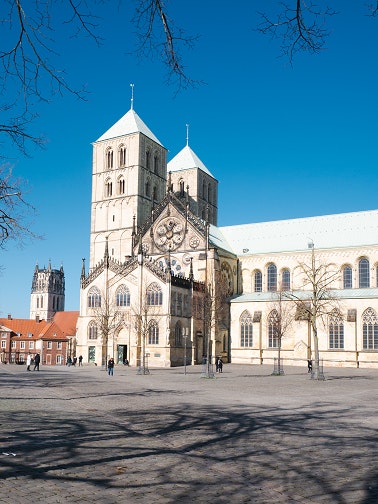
[(281, 320), (109, 320), (14, 210), (215, 309), (316, 300)]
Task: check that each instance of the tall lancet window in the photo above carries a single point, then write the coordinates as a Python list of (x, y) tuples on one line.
[(109, 158)]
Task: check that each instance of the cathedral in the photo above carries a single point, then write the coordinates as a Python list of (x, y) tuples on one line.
[(166, 286)]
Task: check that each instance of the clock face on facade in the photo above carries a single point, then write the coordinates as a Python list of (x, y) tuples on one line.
[(169, 233)]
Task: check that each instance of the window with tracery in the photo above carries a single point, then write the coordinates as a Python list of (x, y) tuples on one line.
[(92, 330), (153, 333), (178, 334), (246, 329), (336, 330), (369, 330), (94, 298), (123, 296), (273, 329), (154, 295)]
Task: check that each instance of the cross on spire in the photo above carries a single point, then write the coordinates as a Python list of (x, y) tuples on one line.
[(132, 96)]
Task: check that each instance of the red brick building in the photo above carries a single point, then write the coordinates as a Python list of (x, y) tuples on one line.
[(54, 340)]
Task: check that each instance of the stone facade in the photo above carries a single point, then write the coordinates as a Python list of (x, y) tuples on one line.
[(165, 285)]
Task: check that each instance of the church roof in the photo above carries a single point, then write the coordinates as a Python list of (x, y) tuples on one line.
[(326, 231), (185, 160), (128, 124)]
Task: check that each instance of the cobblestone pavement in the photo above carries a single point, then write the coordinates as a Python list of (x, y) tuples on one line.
[(79, 435)]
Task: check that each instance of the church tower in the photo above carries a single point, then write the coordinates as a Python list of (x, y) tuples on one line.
[(192, 181), (128, 181), (47, 293)]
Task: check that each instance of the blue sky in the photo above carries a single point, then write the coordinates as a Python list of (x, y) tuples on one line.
[(284, 142)]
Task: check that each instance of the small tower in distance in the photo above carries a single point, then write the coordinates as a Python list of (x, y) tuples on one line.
[(47, 293)]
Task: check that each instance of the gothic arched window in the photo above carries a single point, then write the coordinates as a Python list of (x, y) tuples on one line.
[(258, 281), (182, 187), (123, 296), (154, 194), (121, 185), (363, 273), (109, 158), (369, 330), (148, 189), (272, 278), (94, 298), (122, 156), (154, 295), (273, 329), (285, 280), (153, 333), (108, 188), (148, 160), (92, 330), (347, 277), (178, 334), (246, 329), (156, 164), (336, 330)]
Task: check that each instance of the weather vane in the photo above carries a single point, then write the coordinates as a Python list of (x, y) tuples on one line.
[(187, 134)]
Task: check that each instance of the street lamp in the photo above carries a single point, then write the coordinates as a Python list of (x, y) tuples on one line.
[(185, 336)]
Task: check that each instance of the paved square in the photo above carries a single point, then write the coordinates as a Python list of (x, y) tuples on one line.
[(77, 435)]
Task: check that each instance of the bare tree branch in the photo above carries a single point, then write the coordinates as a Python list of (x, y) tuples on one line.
[(157, 32), (300, 27), (13, 209)]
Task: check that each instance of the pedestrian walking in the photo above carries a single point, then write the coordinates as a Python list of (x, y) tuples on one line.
[(309, 365), (37, 360), (111, 366), (219, 365), (28, 362), (80, 360)]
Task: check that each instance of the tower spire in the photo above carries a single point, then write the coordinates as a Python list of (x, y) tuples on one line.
[(132, 96)]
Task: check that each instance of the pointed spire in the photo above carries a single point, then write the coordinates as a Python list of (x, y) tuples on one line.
[(132, 96), (191, 274), (187, 135), (83, 268), (106, 253), (169, 184)]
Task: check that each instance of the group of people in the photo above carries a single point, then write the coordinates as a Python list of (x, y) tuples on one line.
[(30, 360), (73, 362)]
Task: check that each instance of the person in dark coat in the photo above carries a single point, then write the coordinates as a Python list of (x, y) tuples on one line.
[(309, 365), (219, 365), (37, 360), (111, 366), (80, 360)]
